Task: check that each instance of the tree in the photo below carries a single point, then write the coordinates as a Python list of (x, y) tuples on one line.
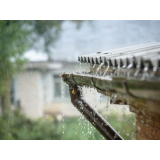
[(16, 37)]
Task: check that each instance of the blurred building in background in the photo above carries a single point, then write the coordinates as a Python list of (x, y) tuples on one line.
[(38, 89)]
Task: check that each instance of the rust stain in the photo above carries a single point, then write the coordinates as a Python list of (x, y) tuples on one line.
[(73, 92)]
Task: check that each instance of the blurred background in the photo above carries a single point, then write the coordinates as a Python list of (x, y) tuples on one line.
[(34, 102)]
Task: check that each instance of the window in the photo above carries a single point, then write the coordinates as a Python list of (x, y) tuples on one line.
[(57, 88), (60, 88)]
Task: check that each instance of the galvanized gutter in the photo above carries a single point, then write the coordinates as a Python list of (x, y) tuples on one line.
[(90, 113), (137, 88)]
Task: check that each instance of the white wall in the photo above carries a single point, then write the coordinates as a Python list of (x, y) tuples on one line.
[(29, 92)]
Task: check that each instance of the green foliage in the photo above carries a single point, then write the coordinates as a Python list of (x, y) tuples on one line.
[(75, 128), (14, 125), (124, 124), (13, 43), (16, 37)]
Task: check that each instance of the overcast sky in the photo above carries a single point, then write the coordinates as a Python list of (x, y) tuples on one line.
[(99, 36)]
